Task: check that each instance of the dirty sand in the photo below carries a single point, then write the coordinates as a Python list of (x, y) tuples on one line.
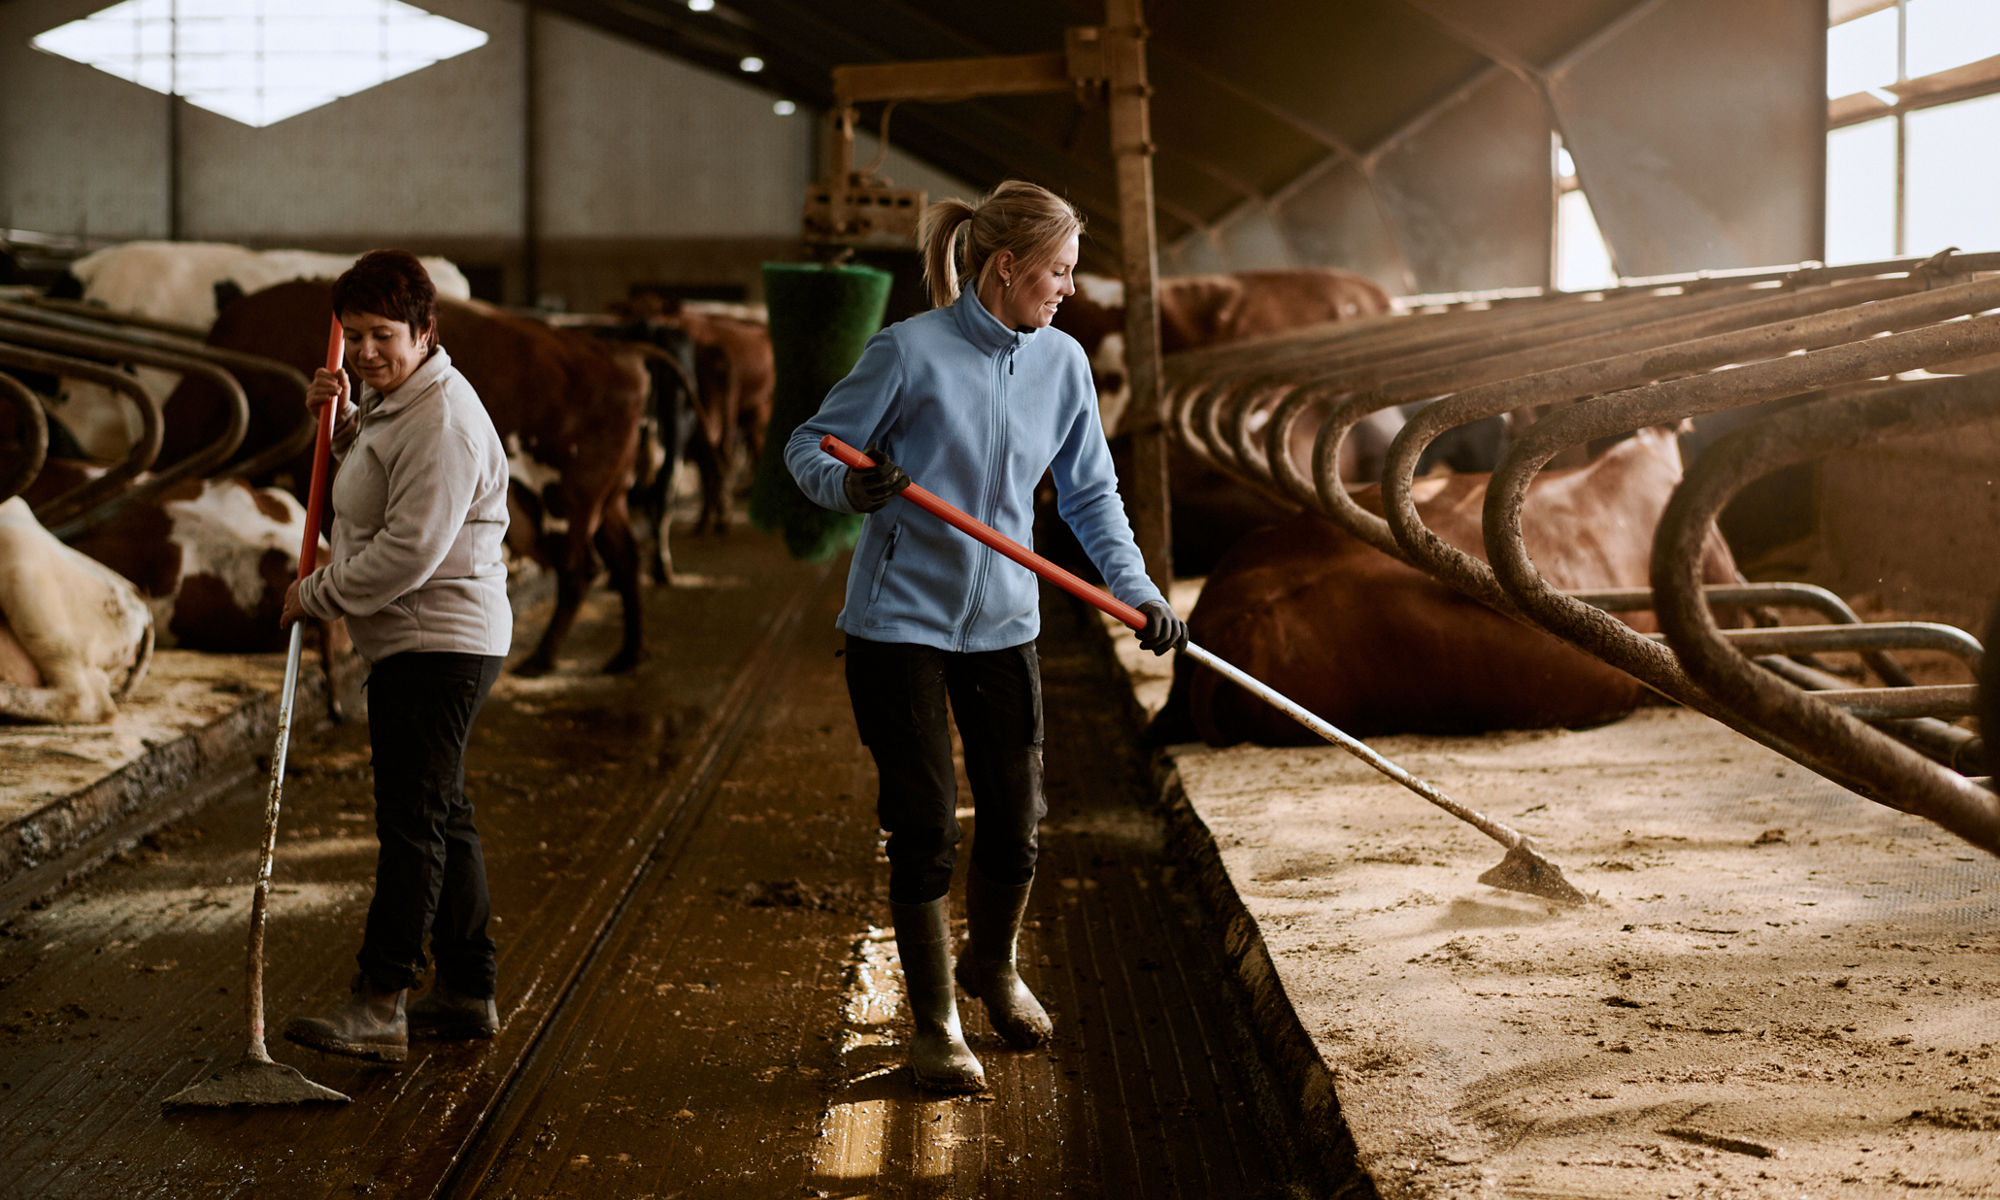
[(183, 692), (1781, 990)]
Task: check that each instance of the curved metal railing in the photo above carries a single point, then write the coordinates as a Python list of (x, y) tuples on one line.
[(1281, 414)]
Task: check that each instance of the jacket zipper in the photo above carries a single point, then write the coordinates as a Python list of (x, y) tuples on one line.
[(882, 569), (996, 456)]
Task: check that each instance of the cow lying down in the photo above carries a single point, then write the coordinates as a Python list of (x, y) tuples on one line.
[(212, 559), (75, 637), (1377, 647)]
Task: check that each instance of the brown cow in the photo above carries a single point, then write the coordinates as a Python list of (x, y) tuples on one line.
[(1210, 510), (1376, 646), (736, 378), (568, 406), (1205, 310)]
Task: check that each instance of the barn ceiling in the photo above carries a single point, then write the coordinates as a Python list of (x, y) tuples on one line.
[(1249, 99), (1406, 139)]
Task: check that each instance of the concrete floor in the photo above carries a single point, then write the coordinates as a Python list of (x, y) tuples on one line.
[(1273, 971), (698, 995)]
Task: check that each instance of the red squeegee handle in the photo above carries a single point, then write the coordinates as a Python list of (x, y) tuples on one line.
[(336, 348), (965, 523)]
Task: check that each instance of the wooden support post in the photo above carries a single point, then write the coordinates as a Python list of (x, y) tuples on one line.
[(1124, 41)]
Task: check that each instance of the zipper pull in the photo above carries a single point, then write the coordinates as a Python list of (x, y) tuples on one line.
[(1010, 362)]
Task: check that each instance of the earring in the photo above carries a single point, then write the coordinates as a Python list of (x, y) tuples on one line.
[(1006, 282)]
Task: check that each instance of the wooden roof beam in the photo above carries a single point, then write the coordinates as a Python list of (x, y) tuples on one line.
[(947, 79)]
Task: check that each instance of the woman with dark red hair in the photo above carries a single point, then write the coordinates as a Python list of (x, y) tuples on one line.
[(419, 513)]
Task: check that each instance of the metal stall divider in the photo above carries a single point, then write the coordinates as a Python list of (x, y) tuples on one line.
[(65, 506), (1668, 402), (1654, 352), (1881, 767), (157, 335), (27, 334), (24, 436)]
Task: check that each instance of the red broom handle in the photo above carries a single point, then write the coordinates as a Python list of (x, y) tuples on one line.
[(1559, 888), (336, 348), (963, 521)]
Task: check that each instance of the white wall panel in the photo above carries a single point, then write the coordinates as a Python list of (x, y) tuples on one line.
[(635, 144), (1699, 131), (81, 152), (434, 152), (1334, 220), (1470, 191), (1198, 253)]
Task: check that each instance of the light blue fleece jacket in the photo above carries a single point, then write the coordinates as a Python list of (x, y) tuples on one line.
[(976, 413)]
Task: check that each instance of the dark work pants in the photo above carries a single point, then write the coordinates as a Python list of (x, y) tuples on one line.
[(900, 691), (430, 877)]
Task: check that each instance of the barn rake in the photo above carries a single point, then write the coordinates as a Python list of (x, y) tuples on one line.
[(256, 1078), (1523, 869)]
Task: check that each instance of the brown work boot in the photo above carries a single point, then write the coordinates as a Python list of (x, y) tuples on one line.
[(453, 1016), (370, 1025)]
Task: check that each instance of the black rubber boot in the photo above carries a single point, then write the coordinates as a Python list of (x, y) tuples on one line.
[(371, 1025), (986, 968), (453, 1016), (938, 1054)]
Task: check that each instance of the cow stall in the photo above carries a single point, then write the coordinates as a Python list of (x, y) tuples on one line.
[(1810, 361), (102, 349)]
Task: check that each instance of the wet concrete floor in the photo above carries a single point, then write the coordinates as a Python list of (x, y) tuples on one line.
[(698, 995)]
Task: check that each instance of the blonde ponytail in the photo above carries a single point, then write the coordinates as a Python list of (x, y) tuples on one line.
[(1025, 218), (937, 229)]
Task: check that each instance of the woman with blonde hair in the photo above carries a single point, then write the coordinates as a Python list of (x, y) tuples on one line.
[(978, 397)]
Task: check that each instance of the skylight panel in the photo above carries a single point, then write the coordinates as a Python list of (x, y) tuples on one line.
[(260, 61)]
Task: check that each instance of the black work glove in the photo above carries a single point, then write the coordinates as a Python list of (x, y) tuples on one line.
[(869, 488), (1164, 631)]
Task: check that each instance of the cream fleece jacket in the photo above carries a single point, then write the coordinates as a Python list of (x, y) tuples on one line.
[(419, 513)]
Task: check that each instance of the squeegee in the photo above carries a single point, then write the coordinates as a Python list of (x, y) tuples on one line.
[(256, 1079)]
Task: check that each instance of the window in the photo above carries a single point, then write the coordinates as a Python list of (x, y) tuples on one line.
[(1861, 192), (1942, 34), (1914, 109), (260, 61), (1861, 54), (1583, 261), (1951, 180)]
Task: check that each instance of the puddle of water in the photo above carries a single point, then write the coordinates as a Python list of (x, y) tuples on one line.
[(876, 1128), (854, 1131), (720, 583)]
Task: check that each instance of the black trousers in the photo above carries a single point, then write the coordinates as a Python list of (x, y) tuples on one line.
[(900, 693), (430, 877)]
